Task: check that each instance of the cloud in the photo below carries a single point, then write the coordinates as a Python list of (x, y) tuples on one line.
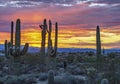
[(77, 16), (66, 3), (108, 1)]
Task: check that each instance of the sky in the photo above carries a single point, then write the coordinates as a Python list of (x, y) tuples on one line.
[(77, 21)]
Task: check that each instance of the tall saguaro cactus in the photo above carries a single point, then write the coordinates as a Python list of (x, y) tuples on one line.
[(98, 42), (43, 34), (51, 50), (17, 36), (16, 53), (54, 50), (98, 48)]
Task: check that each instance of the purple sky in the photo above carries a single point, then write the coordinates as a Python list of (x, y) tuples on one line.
[(70, 14)]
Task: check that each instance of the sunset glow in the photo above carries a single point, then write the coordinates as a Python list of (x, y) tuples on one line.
[(77, 22)]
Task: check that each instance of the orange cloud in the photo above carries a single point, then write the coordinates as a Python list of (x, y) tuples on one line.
[(69, 37)]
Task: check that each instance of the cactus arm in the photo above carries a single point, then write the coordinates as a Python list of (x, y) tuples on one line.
[(17, 35), (49, 38), (10, 47), (56, 35), (12, 25), (12, 53), (41, 26), (25, 49), (54, 51)]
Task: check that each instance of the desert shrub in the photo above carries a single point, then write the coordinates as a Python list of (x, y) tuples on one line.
[(70, 58), (89, 59), (78, 59), (111, 55), (104, 81), (1, 59), (11, 80), (30, 59)]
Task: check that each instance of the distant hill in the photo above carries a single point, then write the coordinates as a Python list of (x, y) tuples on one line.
[(35, 49)]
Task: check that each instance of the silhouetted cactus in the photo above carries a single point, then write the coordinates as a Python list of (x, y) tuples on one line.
[(6, 49), (112, 70), (9, 44), (98, 42), (43, 34), (51, 77), (12, 31), (17, 52), (104, 81), (98, 48), (49, 38), (51, 51), (54, 50)]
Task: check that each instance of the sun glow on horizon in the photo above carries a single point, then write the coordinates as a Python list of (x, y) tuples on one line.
[(80, 38)]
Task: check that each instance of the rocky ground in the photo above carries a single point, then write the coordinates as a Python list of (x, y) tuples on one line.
[(70, 68)]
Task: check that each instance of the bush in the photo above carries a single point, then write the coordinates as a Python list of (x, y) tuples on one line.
[(31, 59), (1, 59), (104, 81)]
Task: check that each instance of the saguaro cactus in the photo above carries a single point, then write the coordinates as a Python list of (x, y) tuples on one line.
[(98, 48), (51, 77), (43, 34), (49, 38), (52, 51), (6, 49), (12, 30), (16, 53), (9, 44), (98, 42)]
